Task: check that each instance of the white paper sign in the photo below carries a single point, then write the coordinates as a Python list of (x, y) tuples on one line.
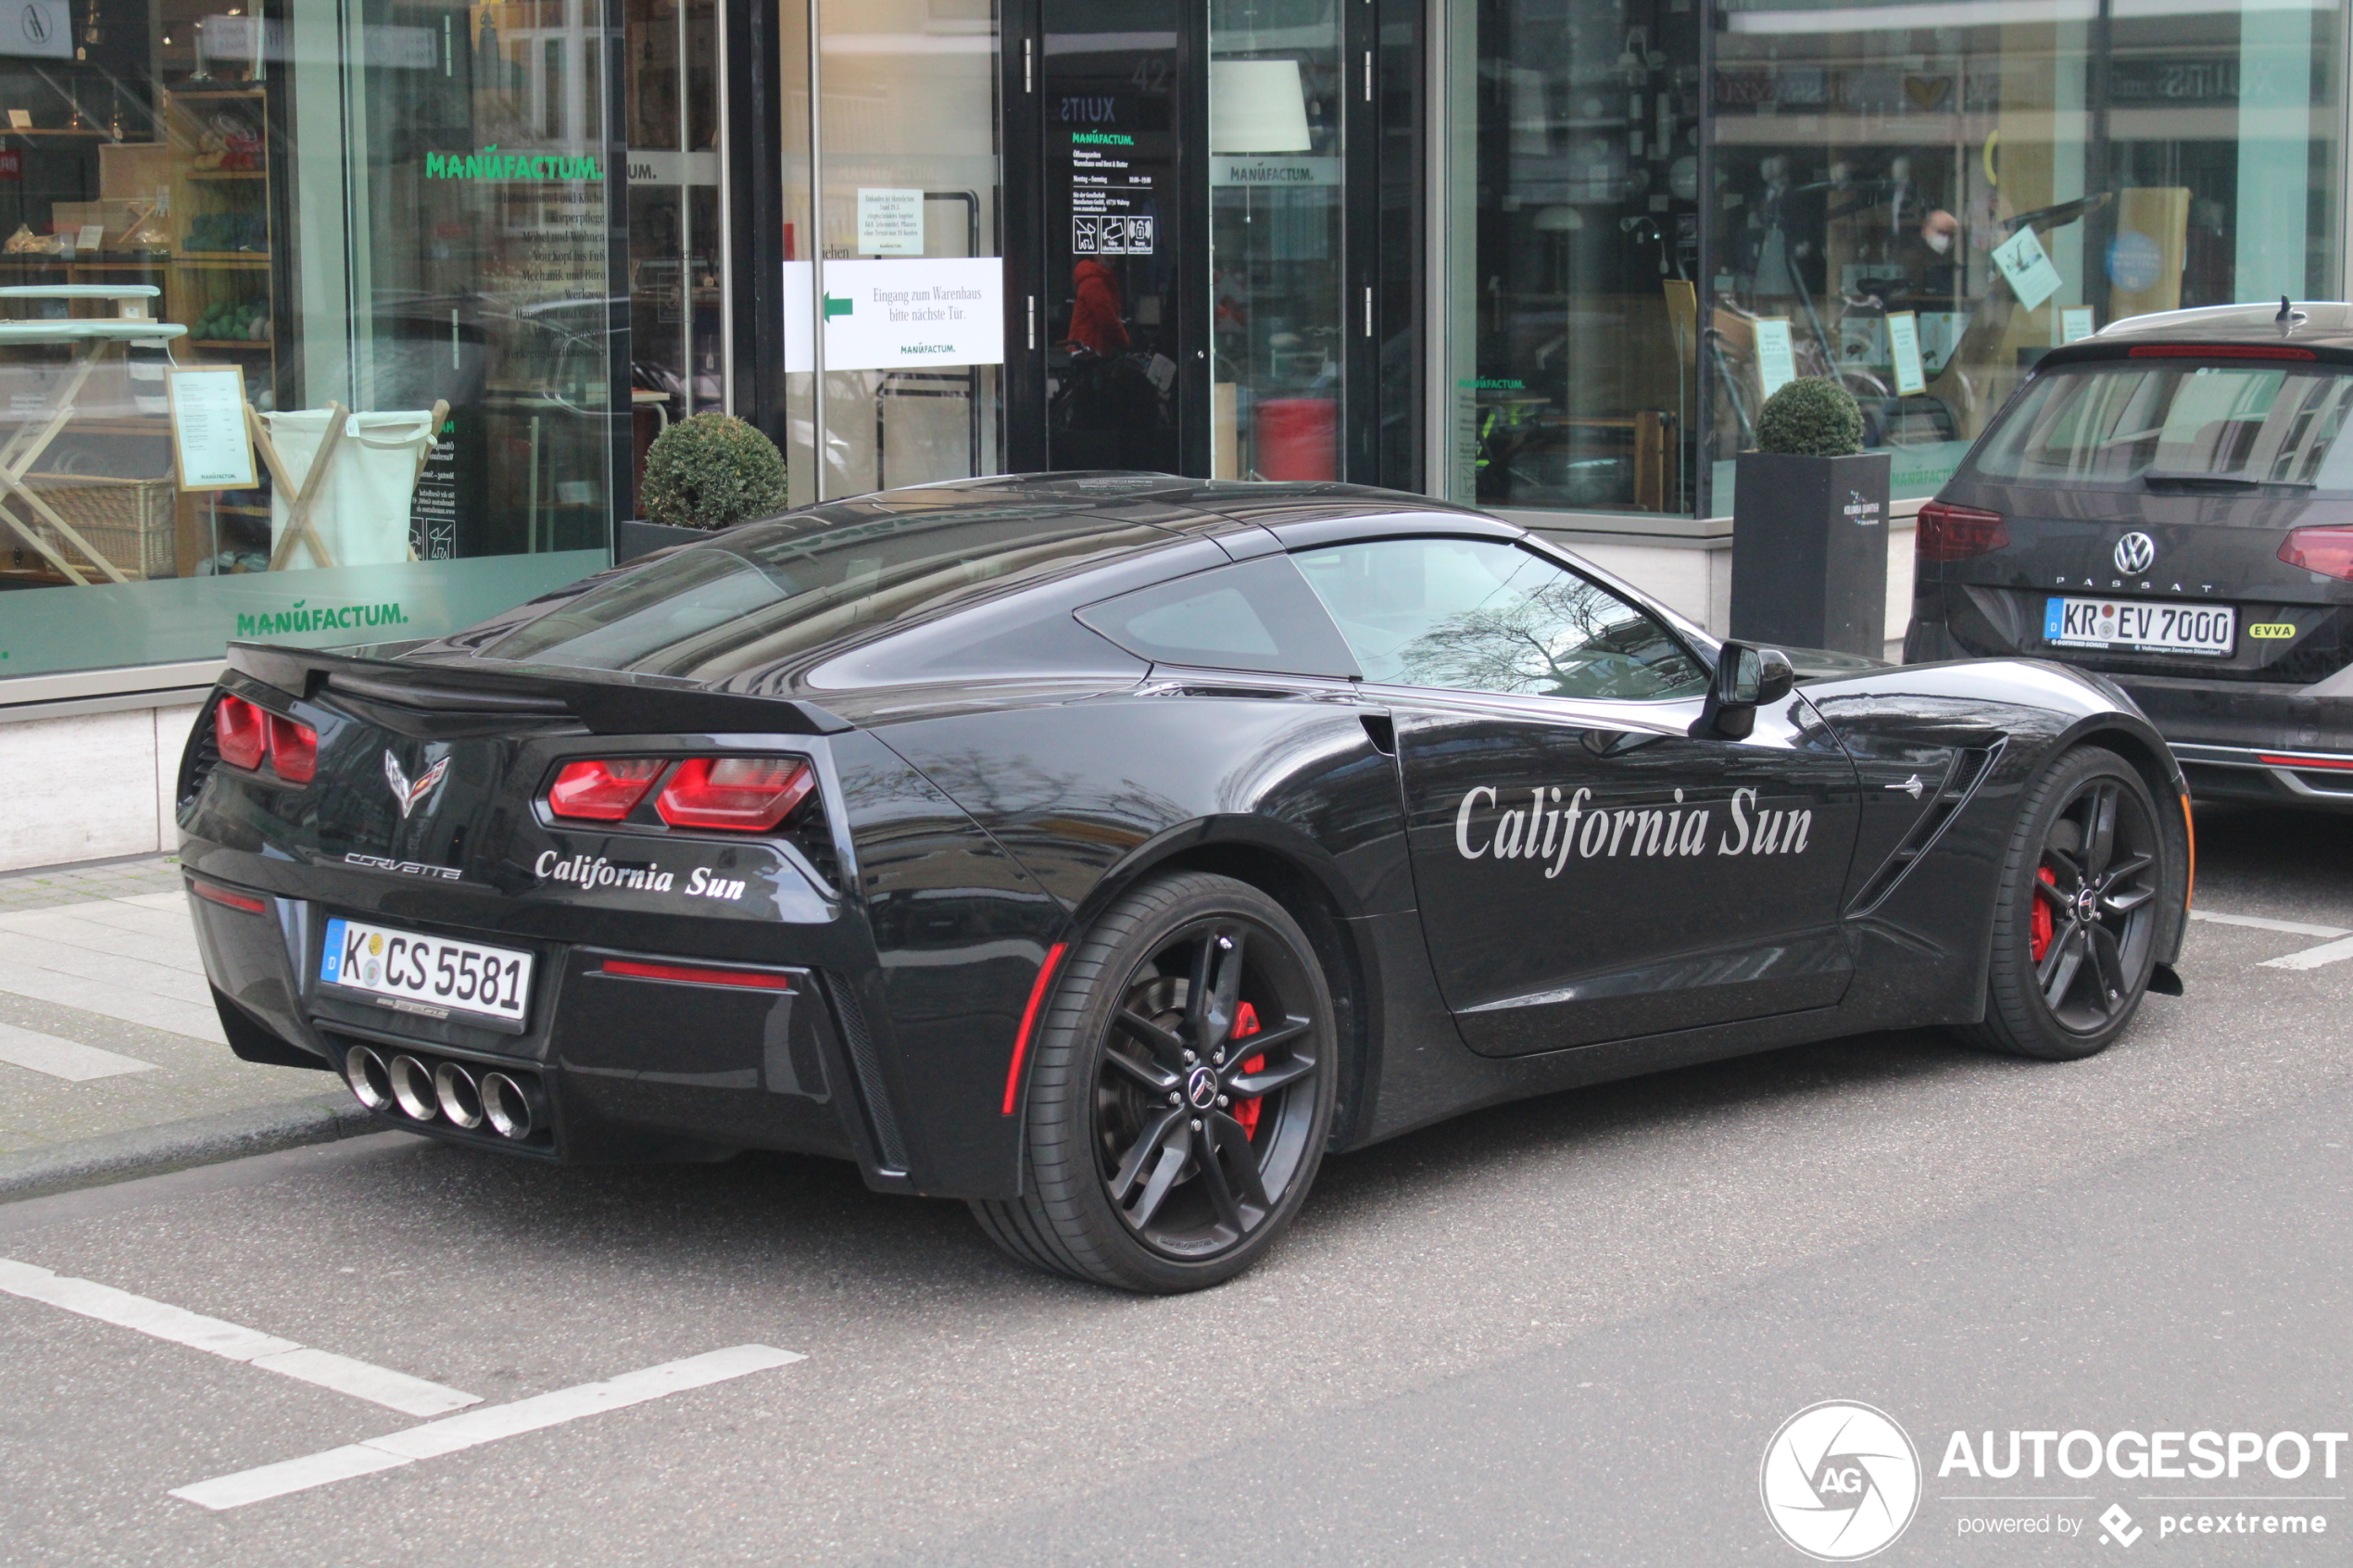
[(2075, 323), (211, 442), (2028, 267), (41, 28), (1776, 355), (889, 222), (891, 315), (1904, 342)]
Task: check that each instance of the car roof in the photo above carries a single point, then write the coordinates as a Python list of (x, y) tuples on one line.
[(2325, 327)]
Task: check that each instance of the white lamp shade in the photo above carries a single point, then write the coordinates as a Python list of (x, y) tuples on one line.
[(1257, 106)]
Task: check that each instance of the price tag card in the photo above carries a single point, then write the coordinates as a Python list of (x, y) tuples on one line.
[(211, 445), (1776, 354), (1904, 339), (2028, 268)]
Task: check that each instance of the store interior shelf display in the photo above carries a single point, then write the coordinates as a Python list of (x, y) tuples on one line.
[(181, 228)]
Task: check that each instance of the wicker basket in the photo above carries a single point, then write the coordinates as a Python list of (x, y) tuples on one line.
[(129, 522)]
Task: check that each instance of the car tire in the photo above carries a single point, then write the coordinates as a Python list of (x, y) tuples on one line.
[(2077, 911), (1143, 1167)]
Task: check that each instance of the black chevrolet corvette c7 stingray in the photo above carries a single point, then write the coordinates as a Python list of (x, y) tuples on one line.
[(1104, 848)]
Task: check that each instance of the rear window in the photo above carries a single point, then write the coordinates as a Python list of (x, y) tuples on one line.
[(2244, 424), (775, 589), (1254, 615)]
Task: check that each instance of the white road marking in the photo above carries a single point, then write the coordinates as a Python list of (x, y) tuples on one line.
[(2293, 927), (2309, 958), (380, 1385), (64, 1058), (2313, 958), (477, 1427)]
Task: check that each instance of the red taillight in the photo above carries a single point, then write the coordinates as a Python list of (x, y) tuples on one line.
[(2325, 550), (745, 794), (241, 731), (603, 790), (295, 749), (1946, 531), (246, 732), (751, 980)]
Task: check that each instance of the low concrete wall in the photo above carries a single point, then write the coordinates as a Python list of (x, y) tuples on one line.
[(91, 786)]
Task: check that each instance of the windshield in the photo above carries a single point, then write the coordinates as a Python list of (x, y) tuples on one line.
[(779, 588), (2240, 424)]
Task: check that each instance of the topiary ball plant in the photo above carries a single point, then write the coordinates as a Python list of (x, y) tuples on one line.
[(1811, 418), (712, 471)]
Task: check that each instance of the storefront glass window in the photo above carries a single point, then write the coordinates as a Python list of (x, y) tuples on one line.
[(1924, 209), (383, 229), (908, 228), (1571, 195)]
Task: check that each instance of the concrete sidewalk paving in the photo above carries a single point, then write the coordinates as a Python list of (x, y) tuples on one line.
[(112, 1062)]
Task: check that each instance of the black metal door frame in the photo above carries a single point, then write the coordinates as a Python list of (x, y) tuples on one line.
[(1381, 290)]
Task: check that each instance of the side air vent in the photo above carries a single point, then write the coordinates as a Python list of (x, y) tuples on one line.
[(866, 1064), (1969, 770)]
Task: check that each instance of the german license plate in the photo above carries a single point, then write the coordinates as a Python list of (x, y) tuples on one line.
[(431, 976), (2148, 627)]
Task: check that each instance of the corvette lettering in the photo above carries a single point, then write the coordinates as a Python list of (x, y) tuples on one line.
[(1551, 829), (404, 868), (598, 872)]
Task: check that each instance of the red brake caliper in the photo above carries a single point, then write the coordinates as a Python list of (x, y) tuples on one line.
[(2038, 926), (1246, 1110)]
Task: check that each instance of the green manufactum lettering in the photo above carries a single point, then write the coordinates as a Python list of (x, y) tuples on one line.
[(492, 164), (312, 617)]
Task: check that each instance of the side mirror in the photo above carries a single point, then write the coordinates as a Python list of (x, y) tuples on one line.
[(1745, 678)]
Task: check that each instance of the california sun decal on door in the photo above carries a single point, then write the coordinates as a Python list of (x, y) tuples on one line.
[(1553, 828)]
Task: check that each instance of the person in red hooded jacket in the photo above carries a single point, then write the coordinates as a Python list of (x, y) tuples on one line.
[(1094, 310)]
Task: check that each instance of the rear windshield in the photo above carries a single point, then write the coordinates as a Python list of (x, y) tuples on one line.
[(2242, 424), (775, 589)]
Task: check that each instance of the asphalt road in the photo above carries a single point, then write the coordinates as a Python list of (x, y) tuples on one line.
[(1560, 1331)]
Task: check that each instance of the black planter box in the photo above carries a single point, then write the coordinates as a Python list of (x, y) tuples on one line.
[(631, 540), (1809, 552)]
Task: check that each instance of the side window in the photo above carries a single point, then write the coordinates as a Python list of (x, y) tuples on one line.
[(1251, 614), (1483, 615)]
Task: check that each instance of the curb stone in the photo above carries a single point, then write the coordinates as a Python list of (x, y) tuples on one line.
[(176, 1146)]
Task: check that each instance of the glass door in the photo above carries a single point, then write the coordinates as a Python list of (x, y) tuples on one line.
[(1280, 315), (677, 266)]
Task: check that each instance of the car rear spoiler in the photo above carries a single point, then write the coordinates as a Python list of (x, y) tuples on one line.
[(608, 703)]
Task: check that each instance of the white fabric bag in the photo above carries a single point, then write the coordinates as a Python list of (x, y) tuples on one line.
[(361, 513)]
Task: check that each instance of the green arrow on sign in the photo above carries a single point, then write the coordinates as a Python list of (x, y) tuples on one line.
[(835, 307)]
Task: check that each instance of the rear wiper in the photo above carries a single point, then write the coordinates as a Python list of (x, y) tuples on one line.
[(2224, 480)]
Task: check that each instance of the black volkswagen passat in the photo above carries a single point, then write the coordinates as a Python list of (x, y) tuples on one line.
[(2169, 503)]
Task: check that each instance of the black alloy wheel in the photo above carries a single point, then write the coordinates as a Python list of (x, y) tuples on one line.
[(2091, 869), (1180, 1094)]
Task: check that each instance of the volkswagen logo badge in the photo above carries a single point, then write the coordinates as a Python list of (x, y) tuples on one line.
[(1201, 1088), (2136, 553)]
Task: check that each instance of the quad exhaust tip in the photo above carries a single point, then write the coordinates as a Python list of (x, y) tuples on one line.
[(412, 1088), (455, 1091), (513, 1106), (369, 1077)]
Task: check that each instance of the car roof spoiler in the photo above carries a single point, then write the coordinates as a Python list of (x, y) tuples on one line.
[(608, 703)]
